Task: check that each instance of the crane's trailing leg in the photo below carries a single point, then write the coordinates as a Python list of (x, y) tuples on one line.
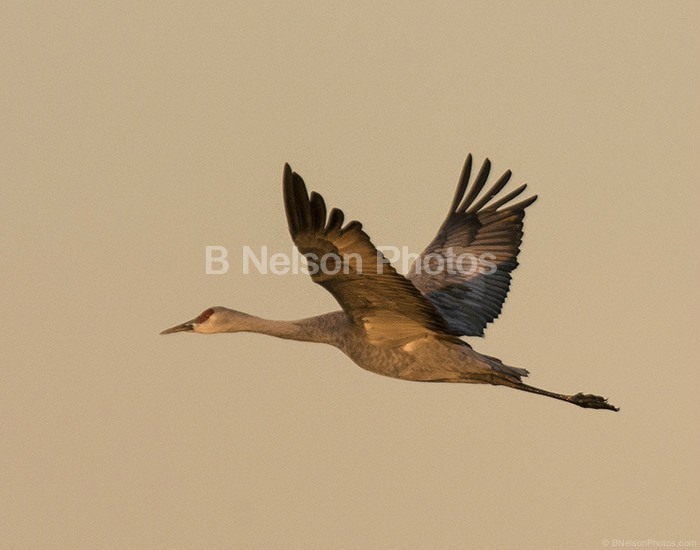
[(585, 400)]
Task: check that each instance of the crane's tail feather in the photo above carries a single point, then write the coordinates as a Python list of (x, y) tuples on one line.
[(498, 366)]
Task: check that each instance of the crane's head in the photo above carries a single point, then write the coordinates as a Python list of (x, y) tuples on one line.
[(210, 321)]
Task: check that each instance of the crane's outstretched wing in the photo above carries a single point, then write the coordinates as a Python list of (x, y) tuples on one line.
[(342, 260), (479, 244)]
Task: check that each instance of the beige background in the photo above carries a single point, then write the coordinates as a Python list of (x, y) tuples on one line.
[(134, 135)]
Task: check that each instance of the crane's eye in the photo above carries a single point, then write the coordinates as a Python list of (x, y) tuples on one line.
[(204, 316)]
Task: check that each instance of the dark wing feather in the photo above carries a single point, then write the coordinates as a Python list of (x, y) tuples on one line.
[(343, 260), (469, 294)]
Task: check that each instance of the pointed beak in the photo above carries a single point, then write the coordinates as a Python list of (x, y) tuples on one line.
[(184, 327)]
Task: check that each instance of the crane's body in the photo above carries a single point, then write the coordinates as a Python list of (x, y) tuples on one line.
[(404, 327)]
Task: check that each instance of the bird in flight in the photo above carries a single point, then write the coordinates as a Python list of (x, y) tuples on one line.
[(406, 327)]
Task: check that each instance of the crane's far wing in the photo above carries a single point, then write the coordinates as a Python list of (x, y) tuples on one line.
[(465, 271), (342, 259)]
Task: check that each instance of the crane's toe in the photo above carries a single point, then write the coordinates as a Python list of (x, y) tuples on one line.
[(589, 401)]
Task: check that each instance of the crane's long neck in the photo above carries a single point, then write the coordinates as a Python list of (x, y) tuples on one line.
[(324, 329)]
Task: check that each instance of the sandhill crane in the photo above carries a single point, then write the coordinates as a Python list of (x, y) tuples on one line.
[(406, 327)]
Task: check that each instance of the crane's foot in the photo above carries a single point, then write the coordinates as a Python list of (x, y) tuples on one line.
[(589, 401)]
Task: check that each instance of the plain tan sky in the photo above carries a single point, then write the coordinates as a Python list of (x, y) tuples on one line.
[(135, 134)]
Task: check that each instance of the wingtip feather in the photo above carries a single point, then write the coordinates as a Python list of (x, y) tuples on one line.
[(477, 186), (462, 183)]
